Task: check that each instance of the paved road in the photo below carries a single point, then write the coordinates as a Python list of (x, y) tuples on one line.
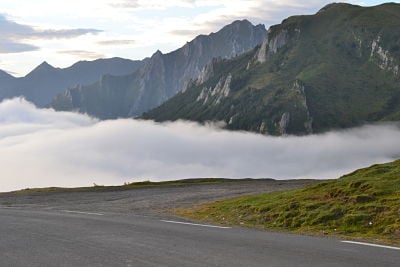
[(38, 237), (145, 200)]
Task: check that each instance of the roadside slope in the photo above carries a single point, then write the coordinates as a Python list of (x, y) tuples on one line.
[(363, 204)]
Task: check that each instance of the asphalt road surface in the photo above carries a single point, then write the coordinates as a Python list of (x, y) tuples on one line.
[(129, 228), (75, 238), (145, 200)]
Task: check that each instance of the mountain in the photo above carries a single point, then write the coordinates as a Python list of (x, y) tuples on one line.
[(6, 79), (43, 83), (337, 68), (161, 76)]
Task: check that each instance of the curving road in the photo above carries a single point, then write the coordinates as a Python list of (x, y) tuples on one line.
[(53, 237)]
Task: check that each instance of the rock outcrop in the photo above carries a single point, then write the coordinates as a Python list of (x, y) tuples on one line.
[(217, 93)]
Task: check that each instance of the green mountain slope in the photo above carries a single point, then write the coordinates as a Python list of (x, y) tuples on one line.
[(365, 203), (338, 68)]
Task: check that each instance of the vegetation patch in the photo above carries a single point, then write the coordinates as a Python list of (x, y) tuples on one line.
[(364, 204)]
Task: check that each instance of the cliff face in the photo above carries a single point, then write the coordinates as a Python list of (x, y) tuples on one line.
[(161, 76), (338, 68)]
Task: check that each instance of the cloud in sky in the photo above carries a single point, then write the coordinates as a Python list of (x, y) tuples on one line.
[(152, 24), (116, 42), (82, 54), (16, 36), (8, 46), (159, 4), (41, 147)]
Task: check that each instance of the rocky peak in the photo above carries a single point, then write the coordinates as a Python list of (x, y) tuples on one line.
[(157, 54), (43, 69), (44, 66), (242, 24), (237, 24)]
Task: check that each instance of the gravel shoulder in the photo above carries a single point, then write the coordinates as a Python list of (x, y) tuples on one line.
[(151, 201)]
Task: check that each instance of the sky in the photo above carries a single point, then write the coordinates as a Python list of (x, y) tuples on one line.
[(42, 148), (63, 32)]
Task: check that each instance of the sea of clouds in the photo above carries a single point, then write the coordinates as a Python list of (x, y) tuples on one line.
[(41, 148)]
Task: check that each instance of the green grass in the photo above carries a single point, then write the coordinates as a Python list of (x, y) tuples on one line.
[(364, 204), (128, 186)]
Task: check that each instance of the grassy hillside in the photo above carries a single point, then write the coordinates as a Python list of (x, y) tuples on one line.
[(338, 68), (363, 204)]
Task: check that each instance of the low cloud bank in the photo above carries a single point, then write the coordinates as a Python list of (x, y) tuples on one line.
[(41, 147)]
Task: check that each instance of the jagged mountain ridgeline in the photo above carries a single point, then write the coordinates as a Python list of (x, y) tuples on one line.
[(161, 76), (337, 68), (42, 84)]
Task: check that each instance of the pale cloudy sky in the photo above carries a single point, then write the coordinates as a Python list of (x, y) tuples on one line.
[(63, 32)]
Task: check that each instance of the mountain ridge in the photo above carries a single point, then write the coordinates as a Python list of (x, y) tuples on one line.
[(161, 76), (44, 82), (338, 68)]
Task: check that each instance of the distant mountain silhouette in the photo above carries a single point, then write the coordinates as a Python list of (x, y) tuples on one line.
[(43, 83)]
